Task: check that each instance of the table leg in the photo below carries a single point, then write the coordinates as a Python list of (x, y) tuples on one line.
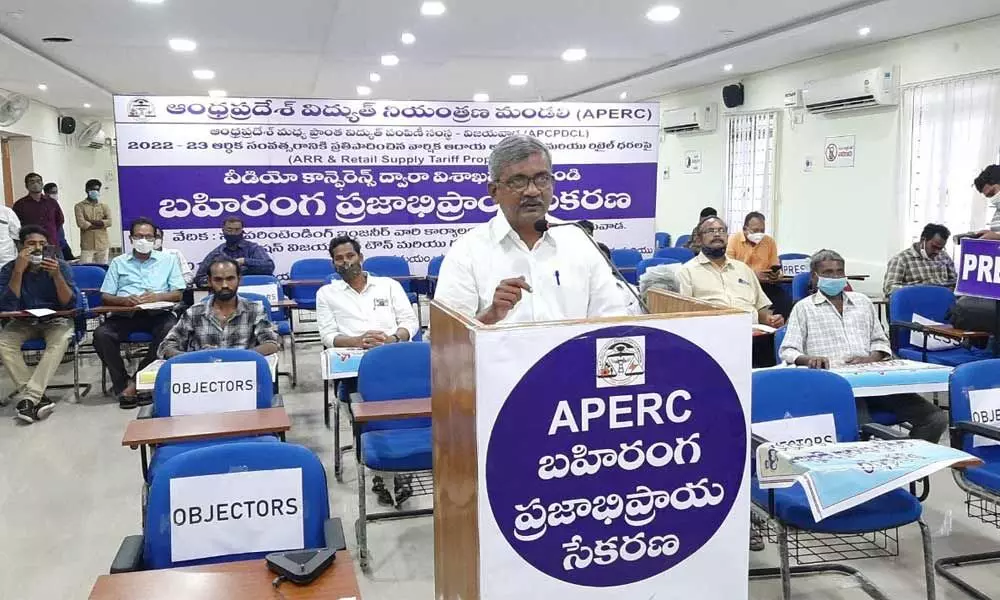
[(326, 402), (145, 463), (338, 466)]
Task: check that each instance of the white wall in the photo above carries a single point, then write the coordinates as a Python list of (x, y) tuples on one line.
[(36, 145), (852, 210)]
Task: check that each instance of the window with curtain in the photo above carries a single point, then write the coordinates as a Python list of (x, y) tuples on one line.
[(751, 151), (949, 130)]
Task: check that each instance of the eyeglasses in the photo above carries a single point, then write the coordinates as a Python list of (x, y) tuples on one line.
[(144, 237), (714, 231), (519, 183)]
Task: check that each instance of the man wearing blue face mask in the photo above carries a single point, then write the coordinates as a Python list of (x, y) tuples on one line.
[(834, 327), (93, 217), (251, 257)]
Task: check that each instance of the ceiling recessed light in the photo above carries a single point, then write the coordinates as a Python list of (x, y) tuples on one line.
[(182, 45), (727, 67), (432, 9), (481, 97), (203, 74), (518, 80), (407, 38), (864, 31), (390, 60), (623, 95), (663, 13), (217, 93), (364, 90), (86, 105), (574, 54), (42, 87), (374, 77), (57, 39), (148, 1)]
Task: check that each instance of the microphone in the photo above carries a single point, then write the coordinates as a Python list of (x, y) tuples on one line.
[(541, 226)]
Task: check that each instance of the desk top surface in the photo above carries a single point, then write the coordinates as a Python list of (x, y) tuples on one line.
[(947, 331), (244, 580), (391, 409), (20, 314), (199, 427)]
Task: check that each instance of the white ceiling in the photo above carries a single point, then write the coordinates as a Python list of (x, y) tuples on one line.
[(325, 48)]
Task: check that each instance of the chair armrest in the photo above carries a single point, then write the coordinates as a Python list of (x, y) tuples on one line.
[(129, 557), (145, 412), (333, 532), (756, 441), (883, 432), (356, 397), (987, 431), (908, 325)]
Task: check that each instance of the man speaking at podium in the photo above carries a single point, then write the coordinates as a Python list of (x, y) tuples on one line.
[(514, 269)]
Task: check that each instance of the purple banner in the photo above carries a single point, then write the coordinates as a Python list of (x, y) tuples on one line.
[(185, 197), (979, 269)]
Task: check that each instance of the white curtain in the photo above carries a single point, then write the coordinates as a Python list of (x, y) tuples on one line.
[(751, 149), (950, 130)]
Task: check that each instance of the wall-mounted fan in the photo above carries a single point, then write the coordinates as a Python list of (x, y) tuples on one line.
[(91, 136), (12, 108)]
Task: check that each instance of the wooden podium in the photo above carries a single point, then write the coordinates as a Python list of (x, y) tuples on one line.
[(601, 458)]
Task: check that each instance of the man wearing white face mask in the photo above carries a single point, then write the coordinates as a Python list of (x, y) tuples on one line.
[(93, 218), (759, 252), (834, 327), (923, 263)]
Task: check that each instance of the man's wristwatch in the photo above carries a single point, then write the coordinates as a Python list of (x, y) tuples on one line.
[(396, 337)]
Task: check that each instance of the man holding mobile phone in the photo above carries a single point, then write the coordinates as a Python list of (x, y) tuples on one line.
[(759, 251), (36, 279)]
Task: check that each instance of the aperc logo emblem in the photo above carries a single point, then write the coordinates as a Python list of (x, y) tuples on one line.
[(141, 108), (621, 361)]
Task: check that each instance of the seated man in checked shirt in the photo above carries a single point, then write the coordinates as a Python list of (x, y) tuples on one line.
[(923, 263), (224, 320), (834, 327)]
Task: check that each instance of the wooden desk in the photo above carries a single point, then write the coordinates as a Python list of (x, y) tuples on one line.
[(956, 334), (295, 282), (244, 580), (385, 410), (286, 303), (109, 310)]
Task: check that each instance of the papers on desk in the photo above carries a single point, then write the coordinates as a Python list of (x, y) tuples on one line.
[(895, 377), (764, 328), (341, 363), (155, 306), (40, 312), (837, 477)]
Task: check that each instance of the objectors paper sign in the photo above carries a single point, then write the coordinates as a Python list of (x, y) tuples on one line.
[(979, 269), (985, 407), (799, 432), (235, 513), (616, 457), (199, 388)]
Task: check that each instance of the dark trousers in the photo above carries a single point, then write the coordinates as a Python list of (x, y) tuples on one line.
[(762, 352), (929, 422), (781, 300), (116, 329)]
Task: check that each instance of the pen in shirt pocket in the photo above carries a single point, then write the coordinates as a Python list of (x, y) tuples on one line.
[(558, 284)]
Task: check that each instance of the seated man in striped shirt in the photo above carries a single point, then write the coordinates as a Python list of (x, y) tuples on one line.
[(923, 263), (834, 327), (224, 320)]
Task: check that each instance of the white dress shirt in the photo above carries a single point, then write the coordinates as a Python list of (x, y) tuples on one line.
[(10, 227), (568, 276), (381, 306)]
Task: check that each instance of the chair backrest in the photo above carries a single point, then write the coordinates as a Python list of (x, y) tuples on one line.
[(652, 262), (203, 391), (791, 393), (306, 269), (972, 379), (679, 254), (396, 372), (661, 240), (682, 241), (800, 286), (389, 266), (265, 285), (792, 256), (625, 257), (779, 336), (90, 277), (238, 501), (929, 301), (434, 267), (98, 265)]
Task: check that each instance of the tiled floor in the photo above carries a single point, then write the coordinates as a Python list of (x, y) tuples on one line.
[(69, 492)]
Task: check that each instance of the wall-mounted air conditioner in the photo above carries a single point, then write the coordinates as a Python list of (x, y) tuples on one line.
[(867, 89), (697, 119)]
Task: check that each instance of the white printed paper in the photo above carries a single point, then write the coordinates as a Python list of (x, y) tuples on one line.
[(812, 430), (156, 305), (791, 268), (269, 291), (40, 312), (200, 388), (235, 513), (934, 343), (985, 407)]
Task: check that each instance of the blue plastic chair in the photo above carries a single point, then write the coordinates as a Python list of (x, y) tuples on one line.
[(682, 241), (161, 399), (281, 318), (800, 286), (153, 549), (652, 262), (661, 240), (932, 302), (787, 393), (392, 266), (391, 372), (308, 269), (792, 256), (90, 277), (626, 259), (433, 269), (779, 336), (37, 345), (681, 255), (981, 484)]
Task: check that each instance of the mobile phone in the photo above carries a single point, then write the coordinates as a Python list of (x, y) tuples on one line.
[(51, 252), (775, 268)]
